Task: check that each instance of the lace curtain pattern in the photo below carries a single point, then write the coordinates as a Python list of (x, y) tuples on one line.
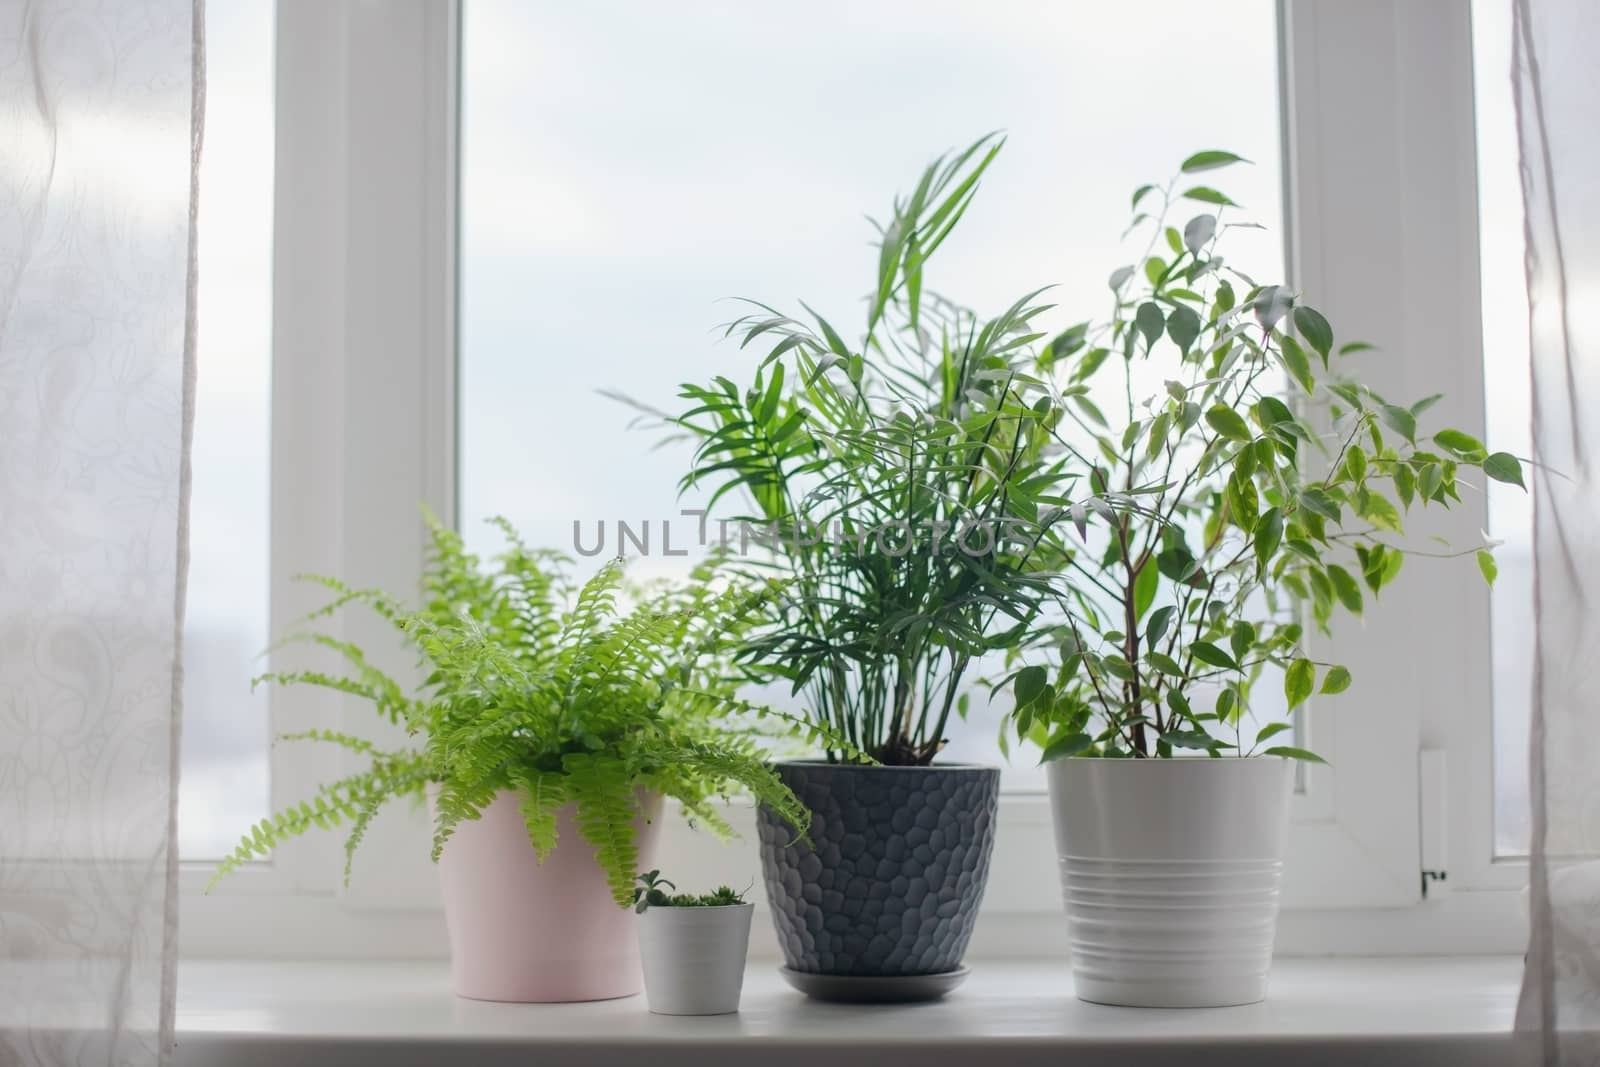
[(99, 139), (1557, 86)]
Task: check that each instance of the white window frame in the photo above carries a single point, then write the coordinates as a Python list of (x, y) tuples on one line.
[(1381, 199)]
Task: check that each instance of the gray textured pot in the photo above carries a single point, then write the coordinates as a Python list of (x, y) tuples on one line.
[(891, 881)]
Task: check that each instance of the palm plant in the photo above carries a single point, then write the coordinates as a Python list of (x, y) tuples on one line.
[(556, 693), (900, 480)]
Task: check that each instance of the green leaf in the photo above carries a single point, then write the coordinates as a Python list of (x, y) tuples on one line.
[(1193, 739), (1207, 195), (1346, 588), (1227, 422), (1272, 729), (1208, 653), (1175, 563), (1298, 682), (1304, 549), (1158, 625), (1164, 663), (1150, 322), (1119, 278), (1405, 484), (1227, 705), (1179, 704), (1272, 303), (1294, 360), (1198, 232), (1355, 464), (1139, 194), (1460, 444), (1064, 746), (1117, 667), (1377, 510), (1210, 160), (1087, 406), (1243, 502), (1183, 326), (1337, 680), (1241, 638), (1319, 503), (1030, 682), (1503, 467), (1268, 534), (1144, 589), (1425, 403), (1400, 421), (1487, 566), (1315, 329), (1290, 752), (1429, 480)]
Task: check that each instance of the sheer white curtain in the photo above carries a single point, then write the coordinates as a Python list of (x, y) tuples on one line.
[(1557, 83), (99, 137)]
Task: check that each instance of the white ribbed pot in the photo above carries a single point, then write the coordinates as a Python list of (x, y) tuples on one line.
[(694, 958), (1170, 872)]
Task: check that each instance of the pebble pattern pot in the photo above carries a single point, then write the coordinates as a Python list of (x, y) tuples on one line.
[(526, 931), (1170, 872), (895, 870)]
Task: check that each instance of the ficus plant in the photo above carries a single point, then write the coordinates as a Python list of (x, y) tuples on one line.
[(903, 477), (558, 693), (1265, 491)]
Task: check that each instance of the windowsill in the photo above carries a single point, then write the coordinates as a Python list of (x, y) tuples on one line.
[(1455, 1011)]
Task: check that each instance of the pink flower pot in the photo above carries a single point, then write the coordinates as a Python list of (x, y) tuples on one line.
[(526, 931)]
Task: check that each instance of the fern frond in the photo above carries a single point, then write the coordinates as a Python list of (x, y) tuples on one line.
[(331, 805), (726, 763), (359, 745), (597, 602), (541, 796), (458, 802), (377, 600), (387, 695), (815, 733), (603, 789)]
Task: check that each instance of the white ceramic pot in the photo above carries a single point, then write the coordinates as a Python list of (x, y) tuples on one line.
[(1170, 871), (694, 958)]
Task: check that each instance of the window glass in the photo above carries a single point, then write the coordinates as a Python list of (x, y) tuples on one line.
[(226, 737), (1506, 381), (627, 167)]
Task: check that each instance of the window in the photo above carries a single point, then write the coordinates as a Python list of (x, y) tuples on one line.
[(1505, 370), (605, 222), (226, 739), (621, 171)]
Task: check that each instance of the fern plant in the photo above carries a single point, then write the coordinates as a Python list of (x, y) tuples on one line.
[(557, 693)]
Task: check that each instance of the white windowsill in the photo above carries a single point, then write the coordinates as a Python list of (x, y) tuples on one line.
[(1415, 1011)]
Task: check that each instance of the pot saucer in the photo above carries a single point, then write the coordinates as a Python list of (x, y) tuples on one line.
[(875, 989)]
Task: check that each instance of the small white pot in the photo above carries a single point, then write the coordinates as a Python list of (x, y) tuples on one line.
[(1170, 871), (694, 958)]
